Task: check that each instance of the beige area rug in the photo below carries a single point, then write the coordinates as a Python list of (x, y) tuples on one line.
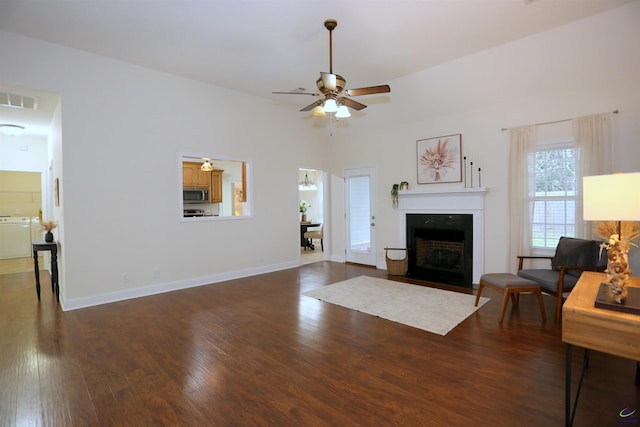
[(433, 310)]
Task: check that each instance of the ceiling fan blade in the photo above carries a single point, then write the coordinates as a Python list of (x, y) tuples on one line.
[(368, 90), (329, 81), (296, 93), (311, 106), (352, 104)]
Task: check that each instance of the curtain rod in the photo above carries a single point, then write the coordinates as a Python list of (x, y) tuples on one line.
[(556, 121)]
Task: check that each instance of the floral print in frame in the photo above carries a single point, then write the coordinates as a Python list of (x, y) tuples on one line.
[(439, 159)]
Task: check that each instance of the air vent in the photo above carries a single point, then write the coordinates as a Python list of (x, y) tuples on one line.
[(16, 100)]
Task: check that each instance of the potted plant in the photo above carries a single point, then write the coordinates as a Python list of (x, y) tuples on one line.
[(394, 194), (47, 226), (303, 210)]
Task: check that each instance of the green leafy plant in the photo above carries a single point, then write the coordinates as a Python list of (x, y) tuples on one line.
[(394, 194), (304, 205)]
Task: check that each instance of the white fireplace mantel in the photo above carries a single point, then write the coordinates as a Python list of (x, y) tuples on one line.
[(451, 201)]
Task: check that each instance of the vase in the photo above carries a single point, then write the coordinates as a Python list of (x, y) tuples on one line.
[(304, 217), (618, 270), (48, 237)]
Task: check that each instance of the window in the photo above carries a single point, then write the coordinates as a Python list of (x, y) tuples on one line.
[(553, 199), (546, 164)]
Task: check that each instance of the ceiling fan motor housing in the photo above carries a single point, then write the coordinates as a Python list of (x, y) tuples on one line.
[(340, 84)]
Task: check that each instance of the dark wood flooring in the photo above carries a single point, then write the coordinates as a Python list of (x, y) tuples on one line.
[(254, 352)]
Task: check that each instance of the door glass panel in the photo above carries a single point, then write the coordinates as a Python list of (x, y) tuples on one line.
[(359, 214)]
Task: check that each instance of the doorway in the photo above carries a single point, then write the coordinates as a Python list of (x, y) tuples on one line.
[(360, 188), (20, 210), (311, 198), (25, 154)]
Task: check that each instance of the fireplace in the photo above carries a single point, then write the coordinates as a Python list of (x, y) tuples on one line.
[(440, 248), (460, 204)]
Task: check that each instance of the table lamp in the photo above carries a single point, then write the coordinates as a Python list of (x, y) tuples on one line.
[(614, 198)]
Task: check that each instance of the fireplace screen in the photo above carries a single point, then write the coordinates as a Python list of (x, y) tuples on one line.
[(441, 248)]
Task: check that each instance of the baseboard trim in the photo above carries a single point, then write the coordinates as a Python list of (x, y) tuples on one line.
[(106, 298)]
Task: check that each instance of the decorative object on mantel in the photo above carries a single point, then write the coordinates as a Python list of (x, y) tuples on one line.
[(303, 210), (471, 174), (615, 200), (439, 159), (464, 171), (47, 226), (404, 185), (394, 195)]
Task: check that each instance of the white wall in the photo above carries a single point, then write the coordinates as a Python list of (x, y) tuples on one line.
[(122, 127), (23, 154), (590, 66)]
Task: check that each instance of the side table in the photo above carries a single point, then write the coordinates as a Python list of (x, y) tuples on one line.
[(607, 331), (52, 247)]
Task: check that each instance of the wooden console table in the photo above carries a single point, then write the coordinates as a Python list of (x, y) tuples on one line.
[(52, 247), (592, 328)]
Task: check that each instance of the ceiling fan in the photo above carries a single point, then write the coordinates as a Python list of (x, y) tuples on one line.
[(334, 98)]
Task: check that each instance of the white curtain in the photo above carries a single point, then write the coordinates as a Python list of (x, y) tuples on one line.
[(522, 142), (593, 137)]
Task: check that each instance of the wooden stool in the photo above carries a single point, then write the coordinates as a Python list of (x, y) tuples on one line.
[(510, 285)]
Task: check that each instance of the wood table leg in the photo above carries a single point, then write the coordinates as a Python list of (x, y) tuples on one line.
[(35, 265)]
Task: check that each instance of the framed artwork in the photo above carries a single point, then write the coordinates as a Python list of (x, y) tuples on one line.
[(56, 191), (439, 159)]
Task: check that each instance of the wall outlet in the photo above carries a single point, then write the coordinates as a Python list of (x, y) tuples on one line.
[(156, 274), (125, 277)]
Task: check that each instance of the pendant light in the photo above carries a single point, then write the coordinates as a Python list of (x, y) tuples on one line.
[(206, 166), (307, 184)]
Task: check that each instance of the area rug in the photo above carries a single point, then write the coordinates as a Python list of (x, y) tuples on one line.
[(433, 310)]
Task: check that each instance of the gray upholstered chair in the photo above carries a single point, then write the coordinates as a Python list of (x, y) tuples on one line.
[(315, 234), (572, 257)]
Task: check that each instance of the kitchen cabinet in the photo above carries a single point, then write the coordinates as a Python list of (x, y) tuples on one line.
[(194, 177), (215, 195)]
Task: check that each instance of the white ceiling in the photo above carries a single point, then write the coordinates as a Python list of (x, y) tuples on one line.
[(260, 46)]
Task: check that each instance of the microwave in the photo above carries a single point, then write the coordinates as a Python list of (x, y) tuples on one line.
[(195, 195)]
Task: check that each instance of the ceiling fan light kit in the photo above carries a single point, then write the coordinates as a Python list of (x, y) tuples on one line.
[(343, 112), (318, 111), (330, 105), (334, 97)]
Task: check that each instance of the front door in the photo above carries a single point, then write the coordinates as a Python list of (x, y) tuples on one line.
[(360, 187)]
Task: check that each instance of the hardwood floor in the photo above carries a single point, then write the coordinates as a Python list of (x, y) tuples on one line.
[(309, 256), (253, 351), (18, 265)]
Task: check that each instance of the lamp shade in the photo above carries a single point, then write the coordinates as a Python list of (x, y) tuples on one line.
[(343, 112), (330, 106), (613, 197), (318, 111)]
